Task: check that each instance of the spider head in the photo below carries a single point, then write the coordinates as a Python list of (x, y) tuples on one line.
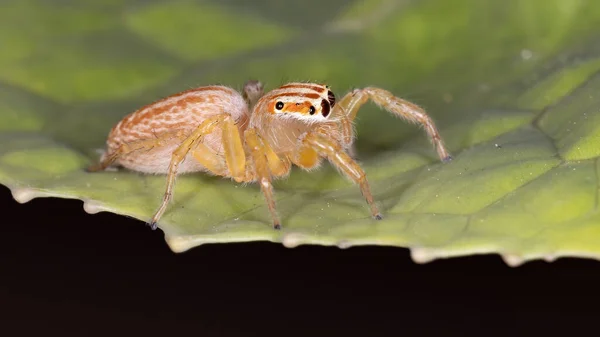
[(303, 101)]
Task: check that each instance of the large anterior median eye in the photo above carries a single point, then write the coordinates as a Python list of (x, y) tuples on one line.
[(279, 105), (325, 108), (331, 98)]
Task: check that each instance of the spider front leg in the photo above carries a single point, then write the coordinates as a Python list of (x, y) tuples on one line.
[(315, 143), (353, 101)]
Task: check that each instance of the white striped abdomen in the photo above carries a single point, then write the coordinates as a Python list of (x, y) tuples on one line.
[(169, 121)]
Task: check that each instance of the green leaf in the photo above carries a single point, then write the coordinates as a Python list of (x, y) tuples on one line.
[(512, 85)]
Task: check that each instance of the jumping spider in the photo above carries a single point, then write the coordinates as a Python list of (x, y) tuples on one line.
[(251, 137)]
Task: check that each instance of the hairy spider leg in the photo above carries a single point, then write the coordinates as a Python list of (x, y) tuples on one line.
[(317, 143), (126, 148), (233, 163), (234, 155), (353, 101), (210, 159), (259, 152)]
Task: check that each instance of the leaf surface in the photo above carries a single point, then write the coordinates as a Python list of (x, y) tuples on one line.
[(512, 85)]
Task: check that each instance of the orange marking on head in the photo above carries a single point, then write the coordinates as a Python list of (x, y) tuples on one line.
[(271, 108), (302, 108)]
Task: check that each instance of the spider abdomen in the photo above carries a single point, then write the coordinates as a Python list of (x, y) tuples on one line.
[(169, 121)]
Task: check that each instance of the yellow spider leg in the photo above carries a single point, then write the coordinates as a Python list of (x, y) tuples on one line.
[(261, 168), (235, 156), (347, 132), (179, 155), (306, 157), (277, 166), (209, 159), (336, 155), (352, 102)]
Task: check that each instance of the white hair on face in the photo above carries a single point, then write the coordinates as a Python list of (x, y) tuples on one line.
[(309, 119)]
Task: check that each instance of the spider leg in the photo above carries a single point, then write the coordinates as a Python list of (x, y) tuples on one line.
[(347, 131), (233, 163), (140, 145), (210, 159), (277, 166), (352, 102), (179, 155), (315, 142), (235, 157), (263, 160)]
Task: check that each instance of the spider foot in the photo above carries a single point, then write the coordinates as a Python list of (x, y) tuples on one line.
[(276, 226), (378, 217), (153, 225), (447, 159)]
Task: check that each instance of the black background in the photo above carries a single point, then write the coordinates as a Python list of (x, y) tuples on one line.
[(66, 271)]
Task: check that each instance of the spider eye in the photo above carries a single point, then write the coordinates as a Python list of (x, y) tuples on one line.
[(331, 98), (312, 110), (325, 108), (279, 105)]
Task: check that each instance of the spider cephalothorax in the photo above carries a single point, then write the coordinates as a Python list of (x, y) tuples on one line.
[(252, 136)]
